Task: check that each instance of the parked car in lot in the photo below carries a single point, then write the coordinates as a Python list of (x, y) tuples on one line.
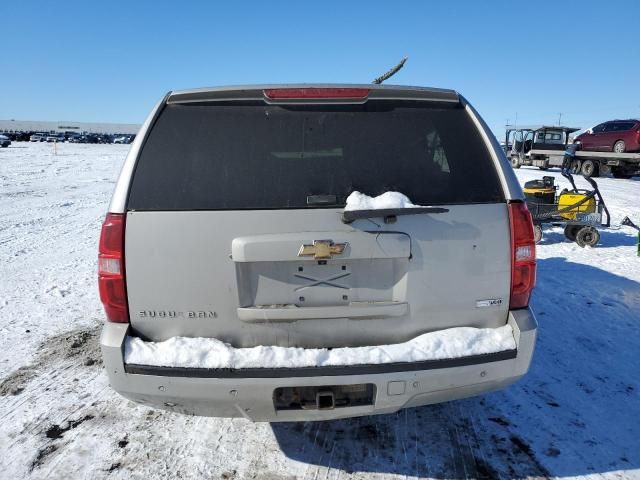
[(239, 239), (122, 139), (22, 136), (4, 141), (615, 136), (55, 138), (38, 137)]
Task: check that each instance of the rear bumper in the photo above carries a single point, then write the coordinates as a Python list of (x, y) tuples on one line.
[(239, 395)]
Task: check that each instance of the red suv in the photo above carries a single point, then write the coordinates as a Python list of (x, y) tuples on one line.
[(615, 136)]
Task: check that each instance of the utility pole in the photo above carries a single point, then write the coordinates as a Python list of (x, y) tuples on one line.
[(560, 119)]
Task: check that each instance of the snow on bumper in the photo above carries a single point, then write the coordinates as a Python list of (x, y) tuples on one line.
[(249, 392), (212, 353)]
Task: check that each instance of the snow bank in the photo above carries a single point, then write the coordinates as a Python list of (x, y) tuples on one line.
[(212, 353), (360, 201)]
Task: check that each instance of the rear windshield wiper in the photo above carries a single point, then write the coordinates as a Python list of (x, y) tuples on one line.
[(389, 214)]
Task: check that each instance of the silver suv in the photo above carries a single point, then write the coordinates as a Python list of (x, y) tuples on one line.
[(238, 281)]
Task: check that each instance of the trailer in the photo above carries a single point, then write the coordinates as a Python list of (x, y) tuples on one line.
[(544, 146)]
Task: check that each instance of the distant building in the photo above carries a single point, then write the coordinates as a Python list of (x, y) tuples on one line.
[(65, 126)]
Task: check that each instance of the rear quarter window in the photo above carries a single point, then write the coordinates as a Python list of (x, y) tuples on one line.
[(624, 126), (257, 156)]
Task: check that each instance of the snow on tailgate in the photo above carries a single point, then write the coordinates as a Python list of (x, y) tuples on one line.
[(211, 353)]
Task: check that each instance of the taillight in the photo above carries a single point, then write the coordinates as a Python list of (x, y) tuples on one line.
[(523, 255), (316, 93), (111, 277)]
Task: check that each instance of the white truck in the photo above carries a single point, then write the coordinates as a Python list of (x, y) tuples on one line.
[(543, 146)]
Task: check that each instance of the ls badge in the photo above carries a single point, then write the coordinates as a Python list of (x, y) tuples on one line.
[(489, 302)]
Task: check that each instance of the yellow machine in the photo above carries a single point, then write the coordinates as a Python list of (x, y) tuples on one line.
[(567, 199), (578, 211), (536, 190)]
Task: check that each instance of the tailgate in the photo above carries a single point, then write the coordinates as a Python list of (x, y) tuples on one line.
[(237, 277), (234, 225)]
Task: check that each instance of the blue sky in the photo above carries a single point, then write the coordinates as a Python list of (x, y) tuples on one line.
[(111, 61)]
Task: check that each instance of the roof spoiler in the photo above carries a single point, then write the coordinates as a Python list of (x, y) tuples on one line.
[(257, 93)]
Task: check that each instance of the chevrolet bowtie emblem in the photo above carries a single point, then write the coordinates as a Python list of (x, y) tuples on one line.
[(321, 249)]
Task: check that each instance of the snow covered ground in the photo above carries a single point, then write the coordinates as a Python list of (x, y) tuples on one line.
[(574, 415)]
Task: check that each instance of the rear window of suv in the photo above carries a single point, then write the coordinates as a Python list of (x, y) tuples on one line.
[(256, 156)]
